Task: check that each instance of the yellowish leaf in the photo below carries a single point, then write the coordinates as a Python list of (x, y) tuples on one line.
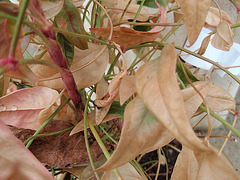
[(127, 88), (223, 39), (157, 86), (195, 13), (141, 133)]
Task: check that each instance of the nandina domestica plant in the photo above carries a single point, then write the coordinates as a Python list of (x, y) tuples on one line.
[(88, 87)]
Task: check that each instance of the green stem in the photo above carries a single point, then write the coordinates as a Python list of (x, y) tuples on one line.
[(181, 83), (18, 28), (220, 119), (47, 134), (46, 122), (166, 163), (97, 137), (210, 61), (138, 12), (125, 10), (135, 63), (113, 63), (86, 133)]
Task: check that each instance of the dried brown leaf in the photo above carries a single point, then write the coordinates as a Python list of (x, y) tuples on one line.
[(20, 162), (192, 100), (195, 13), (204, 45), (126, 37), (186, 166), (203, 165), (127, 88), (62, 150), (113, 88), (157, 86), (4, 84), (213, 166), (84, 77), (218, 99), (22, 108), (223, 39), (101, 90), (213, 17), (141, 133)]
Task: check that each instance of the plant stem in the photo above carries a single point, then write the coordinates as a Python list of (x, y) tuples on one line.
[(220, 119), (210, 61), (113, 63), (138, 12), (47, 121), (47, 134), (86, 133), (125, 10), (18, 28), (98, 139), (102, 146)]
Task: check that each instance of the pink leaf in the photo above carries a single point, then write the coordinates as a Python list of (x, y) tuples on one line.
[(20, 161)]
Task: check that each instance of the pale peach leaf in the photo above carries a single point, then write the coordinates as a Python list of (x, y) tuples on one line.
[(22, 108), (186, 166), (213, 17), (213, 166), (14, 153), (218, 99), (157, 86), (51, 9), (126, 37), (127, 171), (223, 39), (101, 90), (141, 133), (195, 13), (192, 100), (127, 88), (204, 45), (84, 77)]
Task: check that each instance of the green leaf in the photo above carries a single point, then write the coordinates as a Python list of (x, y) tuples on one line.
[(74, 24), (116, 108), (182, 75), (67, 48), (151, 3)]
